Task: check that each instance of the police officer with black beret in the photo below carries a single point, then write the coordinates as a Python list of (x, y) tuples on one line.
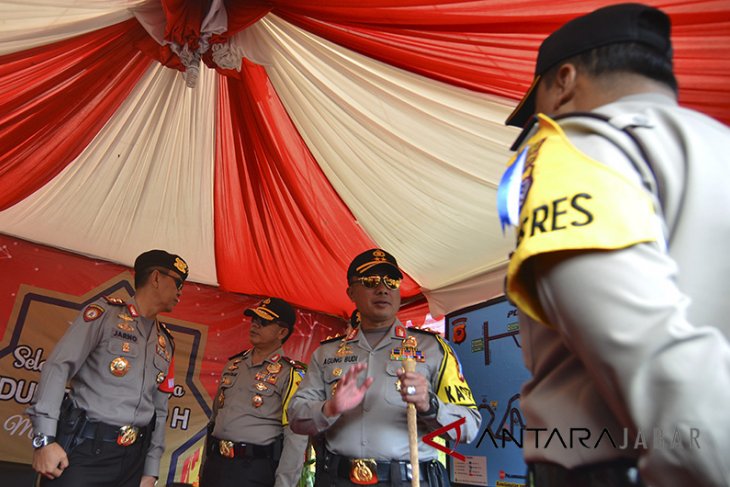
[(116, 356), (250, 442), (622, 300)]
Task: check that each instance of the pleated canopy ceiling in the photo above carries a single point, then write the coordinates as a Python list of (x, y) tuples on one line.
[(268, 142)]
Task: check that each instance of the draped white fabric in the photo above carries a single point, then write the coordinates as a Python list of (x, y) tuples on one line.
[(416, 161), (30, 23), (147, 177)]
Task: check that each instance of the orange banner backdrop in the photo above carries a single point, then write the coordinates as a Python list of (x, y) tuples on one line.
[(43, 289)]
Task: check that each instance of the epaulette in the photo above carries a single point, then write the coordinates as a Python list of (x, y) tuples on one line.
[(240, 354), (114, 301), (332, 339), (427, 331), (295, 363)]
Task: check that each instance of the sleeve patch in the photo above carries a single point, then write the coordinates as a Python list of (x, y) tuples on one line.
[(570, 201), (93, 312)]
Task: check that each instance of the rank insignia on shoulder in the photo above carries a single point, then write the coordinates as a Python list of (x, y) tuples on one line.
[(331, 338), (114, 301), (295, 363), (92, 312)]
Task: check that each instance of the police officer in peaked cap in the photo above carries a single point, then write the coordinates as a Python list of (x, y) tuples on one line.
[(249, 441), (110, 428), (356, 392)]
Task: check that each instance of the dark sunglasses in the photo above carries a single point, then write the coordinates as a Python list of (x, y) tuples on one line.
[(257, 320), (179, 282), (371, 282)]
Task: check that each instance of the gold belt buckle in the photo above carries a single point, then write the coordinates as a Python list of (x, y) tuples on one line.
[(225, 448), (127, 435), (363, 471)]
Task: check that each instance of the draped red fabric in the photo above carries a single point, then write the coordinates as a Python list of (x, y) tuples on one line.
[(491, 45), (280, 228), (55, 98), (183, 21)]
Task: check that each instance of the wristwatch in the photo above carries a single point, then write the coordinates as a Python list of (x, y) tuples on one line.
[(40, 440), (433, 405)]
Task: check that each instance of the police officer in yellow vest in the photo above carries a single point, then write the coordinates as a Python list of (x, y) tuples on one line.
[(250, 442), (110, 429), (355, 394), (622, 291)]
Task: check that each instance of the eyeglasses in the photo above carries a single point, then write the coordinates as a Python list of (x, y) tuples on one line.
[(179, 282), (256, 320), (371, 282)]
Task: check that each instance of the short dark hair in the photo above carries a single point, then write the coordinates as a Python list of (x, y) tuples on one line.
[(290, 329), (623, 57), (141, 278)]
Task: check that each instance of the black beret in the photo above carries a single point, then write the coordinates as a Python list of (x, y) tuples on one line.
[(160, 258), (274, 309), (371, 261), (626, 22)]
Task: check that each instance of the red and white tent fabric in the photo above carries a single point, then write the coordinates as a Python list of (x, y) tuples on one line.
[(268, 142)]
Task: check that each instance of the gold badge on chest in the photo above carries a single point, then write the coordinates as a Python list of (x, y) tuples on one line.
[(119, 366)]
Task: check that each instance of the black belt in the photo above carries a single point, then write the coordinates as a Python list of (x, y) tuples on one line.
[(385, 470), (241, 449), (96, 430), (618, 473)]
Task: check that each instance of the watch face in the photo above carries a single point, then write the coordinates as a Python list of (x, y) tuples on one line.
[(39, 441)]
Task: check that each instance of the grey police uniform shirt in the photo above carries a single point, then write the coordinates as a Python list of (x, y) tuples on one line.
[(377, 428), (638, 345), (85, 354), (238, 419)]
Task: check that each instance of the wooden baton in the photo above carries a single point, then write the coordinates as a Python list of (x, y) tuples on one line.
[(410, 366)]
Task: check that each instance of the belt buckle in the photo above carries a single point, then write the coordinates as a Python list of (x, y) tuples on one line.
[(363, 471), (225, 448), (127, 435)]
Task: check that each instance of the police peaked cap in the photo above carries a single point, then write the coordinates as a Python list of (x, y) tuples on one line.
[(274, 309), (372, 262)]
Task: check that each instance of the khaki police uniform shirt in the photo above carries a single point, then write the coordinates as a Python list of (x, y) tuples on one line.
[(109, 335), (377, 428), (635, 355), (250, 407)]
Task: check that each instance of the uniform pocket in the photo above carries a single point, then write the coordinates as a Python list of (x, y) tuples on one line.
[(123, 348)]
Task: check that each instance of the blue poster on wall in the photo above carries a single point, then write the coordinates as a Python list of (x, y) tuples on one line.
[(486, 340)]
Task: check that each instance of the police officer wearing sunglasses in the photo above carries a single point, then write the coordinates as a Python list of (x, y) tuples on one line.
[(355, 395), (116, 356)]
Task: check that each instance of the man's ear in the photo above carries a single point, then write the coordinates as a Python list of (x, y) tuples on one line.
[(349, 293), (565, 84)]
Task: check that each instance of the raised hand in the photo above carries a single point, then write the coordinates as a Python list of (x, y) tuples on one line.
[(348, 394)]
